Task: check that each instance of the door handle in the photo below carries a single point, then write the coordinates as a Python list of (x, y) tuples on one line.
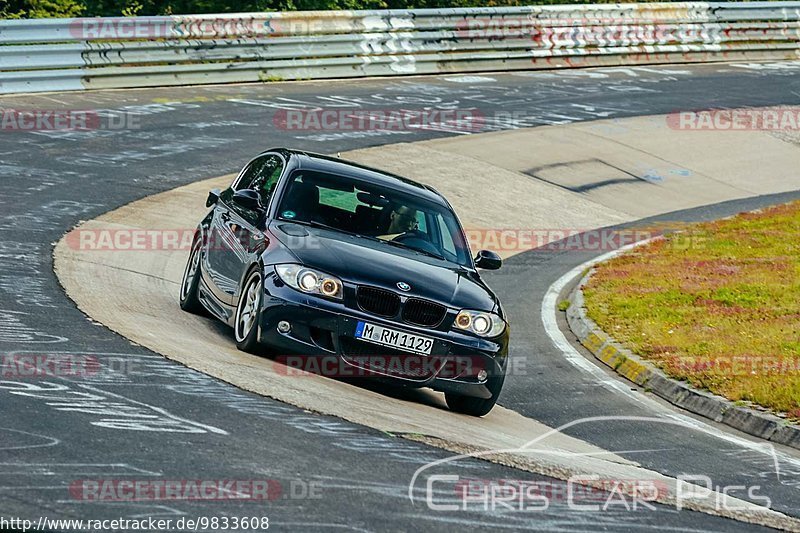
[(225, 216)]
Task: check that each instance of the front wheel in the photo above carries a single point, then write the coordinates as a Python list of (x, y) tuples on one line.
[(248, 313), (191, 279), (472, 406)]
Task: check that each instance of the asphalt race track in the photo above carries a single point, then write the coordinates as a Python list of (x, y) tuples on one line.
[(333, 474)]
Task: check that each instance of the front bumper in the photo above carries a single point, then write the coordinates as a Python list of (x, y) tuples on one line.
[(322, 340)]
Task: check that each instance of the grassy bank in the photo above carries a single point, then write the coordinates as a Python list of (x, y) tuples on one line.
[(722, 313)]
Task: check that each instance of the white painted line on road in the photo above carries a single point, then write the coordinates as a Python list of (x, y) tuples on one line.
[(210, 429), (549, 319), (549, 313)]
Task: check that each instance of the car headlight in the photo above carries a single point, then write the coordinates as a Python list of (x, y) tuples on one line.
[(480, 323), (310, 281)]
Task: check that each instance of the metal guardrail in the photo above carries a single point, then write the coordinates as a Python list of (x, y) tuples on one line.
[(84, 53)]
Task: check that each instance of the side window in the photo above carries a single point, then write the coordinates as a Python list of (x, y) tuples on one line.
[(422, 223), (246, 178), (262, 175), (447, 239)]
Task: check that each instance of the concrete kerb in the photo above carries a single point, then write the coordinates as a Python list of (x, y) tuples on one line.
[(645, 374)]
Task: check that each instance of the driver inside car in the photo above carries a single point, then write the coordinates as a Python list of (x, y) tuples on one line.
[(402, 219)]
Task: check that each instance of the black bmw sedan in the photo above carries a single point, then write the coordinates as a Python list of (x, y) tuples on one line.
[(311, 258)]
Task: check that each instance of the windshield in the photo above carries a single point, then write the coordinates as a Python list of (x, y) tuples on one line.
[(353, 206)]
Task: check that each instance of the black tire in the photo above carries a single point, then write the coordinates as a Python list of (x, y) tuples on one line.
[(245, 328), (472, 406), (191, 279)]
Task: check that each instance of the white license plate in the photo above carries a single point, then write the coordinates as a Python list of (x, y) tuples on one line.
[(393, 338)]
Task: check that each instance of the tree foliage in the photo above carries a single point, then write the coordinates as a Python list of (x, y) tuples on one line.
[(41, 8), (115, 8)]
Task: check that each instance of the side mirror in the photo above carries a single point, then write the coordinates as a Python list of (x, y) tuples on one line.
[(213, 197), (247, 198), (488, 260)]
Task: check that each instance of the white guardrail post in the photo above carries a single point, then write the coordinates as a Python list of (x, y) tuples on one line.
[(87, 53)]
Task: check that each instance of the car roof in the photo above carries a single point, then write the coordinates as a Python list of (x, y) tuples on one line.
[(334, 165)]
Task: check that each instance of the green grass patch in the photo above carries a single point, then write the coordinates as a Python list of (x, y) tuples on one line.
[(723, 314)]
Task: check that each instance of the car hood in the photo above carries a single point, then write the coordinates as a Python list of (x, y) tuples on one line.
[(363, 261)]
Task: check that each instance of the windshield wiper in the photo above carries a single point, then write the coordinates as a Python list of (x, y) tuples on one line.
[(418, 250), (315, 224)]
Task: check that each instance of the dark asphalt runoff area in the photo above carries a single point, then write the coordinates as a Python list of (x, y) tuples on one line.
[(154, 420)]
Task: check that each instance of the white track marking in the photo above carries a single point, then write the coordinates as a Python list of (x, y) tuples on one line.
[(210, 429), (549, 312)]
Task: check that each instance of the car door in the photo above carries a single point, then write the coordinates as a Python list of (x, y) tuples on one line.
[(236, 232)]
